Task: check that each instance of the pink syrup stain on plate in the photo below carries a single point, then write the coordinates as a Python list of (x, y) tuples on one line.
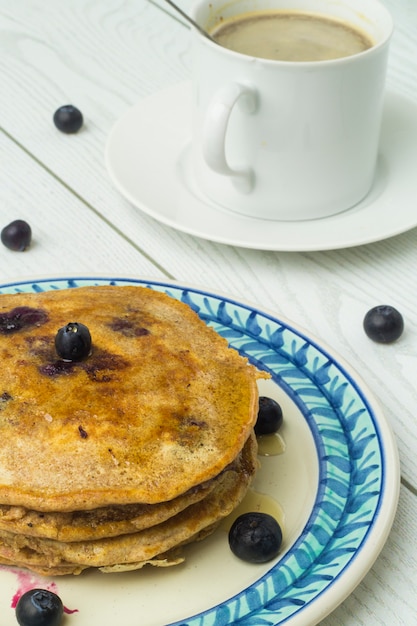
[(27, 581)]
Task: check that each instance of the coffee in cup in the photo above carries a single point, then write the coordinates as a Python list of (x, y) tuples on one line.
[(291, 36)]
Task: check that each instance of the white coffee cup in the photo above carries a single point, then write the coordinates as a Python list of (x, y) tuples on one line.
[(286, 140)]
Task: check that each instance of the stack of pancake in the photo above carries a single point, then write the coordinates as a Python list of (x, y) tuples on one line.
[(124, 457)]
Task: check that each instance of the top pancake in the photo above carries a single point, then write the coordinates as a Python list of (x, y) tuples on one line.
[(160, 406)]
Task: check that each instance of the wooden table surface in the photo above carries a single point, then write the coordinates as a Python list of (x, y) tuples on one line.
[(104, 56)]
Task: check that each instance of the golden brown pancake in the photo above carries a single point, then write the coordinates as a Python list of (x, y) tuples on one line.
[(111, 521), (161, 405), (132, 551), (120, 459), (97, 523)]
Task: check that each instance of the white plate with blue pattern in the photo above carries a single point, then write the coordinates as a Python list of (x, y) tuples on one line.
[(336, 483)]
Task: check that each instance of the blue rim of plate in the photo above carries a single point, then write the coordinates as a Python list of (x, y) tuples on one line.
[(357, 458)]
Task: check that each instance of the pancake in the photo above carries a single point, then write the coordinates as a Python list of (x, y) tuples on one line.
[(108, 521), (148, 546), (118, 460), (96, 523), (161, 406)]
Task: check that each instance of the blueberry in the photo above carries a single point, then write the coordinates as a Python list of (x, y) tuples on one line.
[(68, 119), (269, 417), (255, 537), (383, 324), (73, 342), (39, 607), (17, 235)]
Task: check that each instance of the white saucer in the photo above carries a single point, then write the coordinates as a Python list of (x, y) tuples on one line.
[(147, 159)]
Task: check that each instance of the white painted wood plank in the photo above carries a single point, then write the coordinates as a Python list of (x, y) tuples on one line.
[(68, 237)]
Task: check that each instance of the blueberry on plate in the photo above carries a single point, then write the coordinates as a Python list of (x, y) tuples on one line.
[(73, 342), (17, 235), (255, 537), (383, 324), (39, 607), (68, 119), (269, 418)]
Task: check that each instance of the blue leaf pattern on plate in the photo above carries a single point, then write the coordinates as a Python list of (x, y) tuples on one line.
[(350, 454)]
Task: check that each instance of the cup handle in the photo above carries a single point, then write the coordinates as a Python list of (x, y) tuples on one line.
[(215, 129)]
